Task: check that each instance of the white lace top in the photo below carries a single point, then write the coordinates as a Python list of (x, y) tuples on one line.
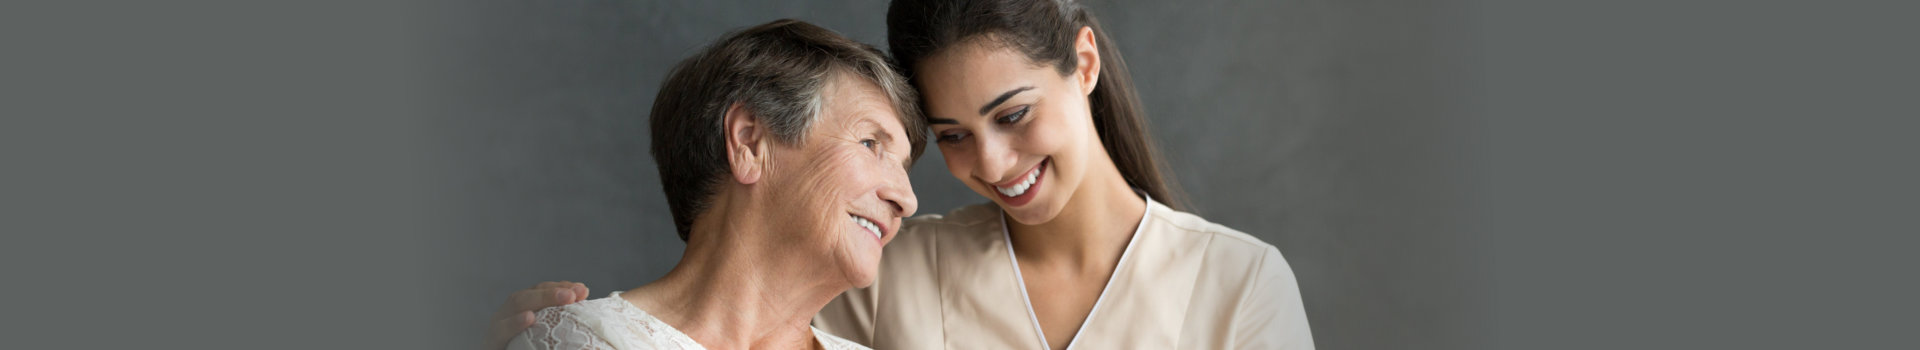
[(612, 323)]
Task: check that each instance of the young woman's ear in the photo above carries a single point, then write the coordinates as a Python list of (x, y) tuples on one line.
[(746, 144), (1088, 73)]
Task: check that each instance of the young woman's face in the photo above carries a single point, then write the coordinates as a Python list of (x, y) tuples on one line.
[(1017, 133)]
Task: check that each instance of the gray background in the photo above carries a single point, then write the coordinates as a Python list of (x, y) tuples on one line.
[(1539, 174), (1270, 112)]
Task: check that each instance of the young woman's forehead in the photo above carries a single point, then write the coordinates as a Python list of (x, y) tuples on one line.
[(958, 88)]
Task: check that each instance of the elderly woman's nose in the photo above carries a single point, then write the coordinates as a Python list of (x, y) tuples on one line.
[(899, 194)]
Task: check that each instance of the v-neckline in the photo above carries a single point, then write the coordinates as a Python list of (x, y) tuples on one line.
[(1021, 280)]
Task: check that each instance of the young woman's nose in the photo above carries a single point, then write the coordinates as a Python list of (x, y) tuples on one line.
[(995, 159)]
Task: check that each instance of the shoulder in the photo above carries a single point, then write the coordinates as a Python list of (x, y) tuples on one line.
[(1246, 279), (971, 220), (831, 342), (605, 323), (596, 309), (966, 216), (571, 326), (1234, 260), (1223, 243)]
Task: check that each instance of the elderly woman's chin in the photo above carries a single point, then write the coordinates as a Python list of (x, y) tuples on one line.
[(859, 256)]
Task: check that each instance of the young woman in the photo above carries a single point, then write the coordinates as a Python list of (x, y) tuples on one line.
[(1032, 108)]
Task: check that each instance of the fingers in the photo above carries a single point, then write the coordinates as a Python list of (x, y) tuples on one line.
[(518, 313), (578, 290), (540, 296), (504, 329)]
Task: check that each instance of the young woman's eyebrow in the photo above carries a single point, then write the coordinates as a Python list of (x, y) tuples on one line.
[(1002, 99), (986, 108)]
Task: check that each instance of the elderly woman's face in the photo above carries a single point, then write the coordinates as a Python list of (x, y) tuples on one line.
[(844, 187)]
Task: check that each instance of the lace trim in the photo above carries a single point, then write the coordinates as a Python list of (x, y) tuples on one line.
[(612, 323)]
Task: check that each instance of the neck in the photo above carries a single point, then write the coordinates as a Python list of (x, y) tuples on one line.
[(736, 289), (1093, 229)]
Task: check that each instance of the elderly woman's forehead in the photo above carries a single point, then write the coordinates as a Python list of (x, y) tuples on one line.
[(858, 98), (850, 96)]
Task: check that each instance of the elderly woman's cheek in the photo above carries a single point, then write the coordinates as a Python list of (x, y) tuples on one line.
[(829, 177)]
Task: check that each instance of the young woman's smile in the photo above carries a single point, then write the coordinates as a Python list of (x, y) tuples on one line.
[(1021, 189)]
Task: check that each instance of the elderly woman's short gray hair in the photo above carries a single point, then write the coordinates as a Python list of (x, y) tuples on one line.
[(776, 70)]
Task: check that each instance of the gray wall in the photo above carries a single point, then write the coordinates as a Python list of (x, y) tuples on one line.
[(1506, 174), (1325, 128)]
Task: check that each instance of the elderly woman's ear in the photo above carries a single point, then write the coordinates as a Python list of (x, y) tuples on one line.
[(747, 144)]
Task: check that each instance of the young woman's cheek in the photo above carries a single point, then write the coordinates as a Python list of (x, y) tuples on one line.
[(954, 157), (1043, 135)]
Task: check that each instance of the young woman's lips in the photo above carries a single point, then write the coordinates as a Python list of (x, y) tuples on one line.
[(1019, 191)]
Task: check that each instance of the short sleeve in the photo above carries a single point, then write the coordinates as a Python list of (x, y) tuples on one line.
[(1271, 315)]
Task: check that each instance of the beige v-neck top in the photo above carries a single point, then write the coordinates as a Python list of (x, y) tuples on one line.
[(950, 282)]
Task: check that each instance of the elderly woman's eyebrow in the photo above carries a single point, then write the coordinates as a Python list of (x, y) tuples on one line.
[(877, 131), (882, 133)]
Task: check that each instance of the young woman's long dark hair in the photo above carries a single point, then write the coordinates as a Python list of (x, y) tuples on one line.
[(1043, 31)]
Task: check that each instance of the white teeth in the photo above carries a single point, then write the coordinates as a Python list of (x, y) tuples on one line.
[(863, 223), (1020, 188)]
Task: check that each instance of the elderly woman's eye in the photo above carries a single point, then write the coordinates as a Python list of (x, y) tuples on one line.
[(868, 143)]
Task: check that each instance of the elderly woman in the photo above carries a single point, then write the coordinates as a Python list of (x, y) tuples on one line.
[(783, 151)]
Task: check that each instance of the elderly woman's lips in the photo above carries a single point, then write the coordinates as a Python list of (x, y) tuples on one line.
[(869, 225)]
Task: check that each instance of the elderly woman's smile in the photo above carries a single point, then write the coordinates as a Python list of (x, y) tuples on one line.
[(866, 224)]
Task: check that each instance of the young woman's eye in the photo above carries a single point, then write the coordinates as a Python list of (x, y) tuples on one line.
[(1014, 117), (952, 137)]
